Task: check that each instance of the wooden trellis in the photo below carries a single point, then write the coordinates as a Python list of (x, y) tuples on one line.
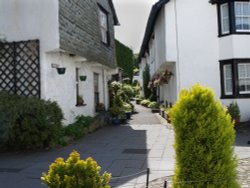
[(20, 68)]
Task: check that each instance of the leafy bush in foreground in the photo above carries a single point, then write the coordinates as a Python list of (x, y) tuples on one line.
[(204, 137), (75, 173)]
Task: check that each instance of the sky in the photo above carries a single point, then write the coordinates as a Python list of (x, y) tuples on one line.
[(133, 16)]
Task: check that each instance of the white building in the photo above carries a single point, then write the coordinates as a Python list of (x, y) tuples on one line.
[(38, 37), (201, 41)]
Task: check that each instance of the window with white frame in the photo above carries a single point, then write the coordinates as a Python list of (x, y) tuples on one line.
[(224, 18), (244, 78), (228, 80), (103, 17), (242, 16)]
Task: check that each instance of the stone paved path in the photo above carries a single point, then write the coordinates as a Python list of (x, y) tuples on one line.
[(122, 150)]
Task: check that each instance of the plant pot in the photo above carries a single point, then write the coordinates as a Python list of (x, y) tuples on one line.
[(155, 110), (83, 78), (61, 70), (128, 115), (236, 120), (137, 101), (115, 121)]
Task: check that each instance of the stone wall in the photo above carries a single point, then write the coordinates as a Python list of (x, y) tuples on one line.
[(80, 33)]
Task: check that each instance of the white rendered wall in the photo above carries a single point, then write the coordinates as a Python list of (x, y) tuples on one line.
[(62, 88), (30, 19), (234, 46)]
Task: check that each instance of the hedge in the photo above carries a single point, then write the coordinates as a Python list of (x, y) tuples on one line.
[(28, 123)]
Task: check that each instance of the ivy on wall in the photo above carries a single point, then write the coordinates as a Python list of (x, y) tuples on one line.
[(124, 57)]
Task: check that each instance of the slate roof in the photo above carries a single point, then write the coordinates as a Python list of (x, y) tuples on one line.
[(150, 26), (116, 21)]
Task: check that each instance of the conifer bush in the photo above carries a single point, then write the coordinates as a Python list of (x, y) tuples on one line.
[(204, 138), (75, 173)]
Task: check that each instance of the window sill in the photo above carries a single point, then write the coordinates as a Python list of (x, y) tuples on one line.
[(81, 105), (236, 97)]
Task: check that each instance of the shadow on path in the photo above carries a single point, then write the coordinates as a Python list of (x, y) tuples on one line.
[(120, 150)]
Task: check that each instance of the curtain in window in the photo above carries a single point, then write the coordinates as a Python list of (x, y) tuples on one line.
[(242, 16), (244, 77), (228, 85)]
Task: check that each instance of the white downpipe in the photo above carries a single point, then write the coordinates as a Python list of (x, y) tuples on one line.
[(177, 50)]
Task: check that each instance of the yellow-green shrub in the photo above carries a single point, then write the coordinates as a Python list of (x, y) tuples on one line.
[(75, 173), (204, 138)]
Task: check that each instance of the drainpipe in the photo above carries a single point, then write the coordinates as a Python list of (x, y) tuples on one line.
[(177, 49), (103, 82)]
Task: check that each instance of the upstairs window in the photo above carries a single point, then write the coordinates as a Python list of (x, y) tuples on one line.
[(242, 16), (244, 78), (234, 17), (103, 17), (224, 18)]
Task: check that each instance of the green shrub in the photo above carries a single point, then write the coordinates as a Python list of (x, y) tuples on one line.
[(204, 138), (128, 91), (29, 123), (75, 173), (146, 79), (115, 87), (154, 105), (145, 102), (233, 109), (76, 130), (126, 107), (115, 111)]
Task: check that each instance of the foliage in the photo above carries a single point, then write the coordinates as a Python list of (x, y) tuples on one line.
[(115, 111), (154, 105), (77, 129), (233, 109), (204, 137), (115, 87), (146, 79), (124, 57), (128, 91), (75, 173), (126, 107), (145, 102), (29, 123)]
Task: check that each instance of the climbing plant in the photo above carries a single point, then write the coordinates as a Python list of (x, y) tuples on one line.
[(125, 59), (146, 79)]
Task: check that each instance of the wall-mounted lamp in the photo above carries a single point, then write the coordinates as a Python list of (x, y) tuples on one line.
[(60, 70)]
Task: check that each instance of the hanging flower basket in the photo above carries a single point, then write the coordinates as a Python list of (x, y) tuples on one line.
[(83, 78)]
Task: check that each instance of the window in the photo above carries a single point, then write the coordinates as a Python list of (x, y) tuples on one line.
[(234, 17), (224, 18), (244, 78), (242, 16), (103, 17), (228, 86), (235, 78)]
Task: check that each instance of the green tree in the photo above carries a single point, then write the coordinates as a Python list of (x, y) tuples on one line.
[(125, 59), (146, 79), (204, 137)]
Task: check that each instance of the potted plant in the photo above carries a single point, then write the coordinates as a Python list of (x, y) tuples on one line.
[(83, 77), (127, 108), (115, 111), (155, 107), (79, 101), (100, 107), (234, 111)]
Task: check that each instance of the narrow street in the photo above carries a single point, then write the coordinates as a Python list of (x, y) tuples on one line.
[(126, 151)]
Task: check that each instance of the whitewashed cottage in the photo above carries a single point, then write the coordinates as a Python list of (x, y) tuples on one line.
[(200, 41), (61, 50)]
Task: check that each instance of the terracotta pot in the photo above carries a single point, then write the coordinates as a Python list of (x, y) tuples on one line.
[(236, 120)]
